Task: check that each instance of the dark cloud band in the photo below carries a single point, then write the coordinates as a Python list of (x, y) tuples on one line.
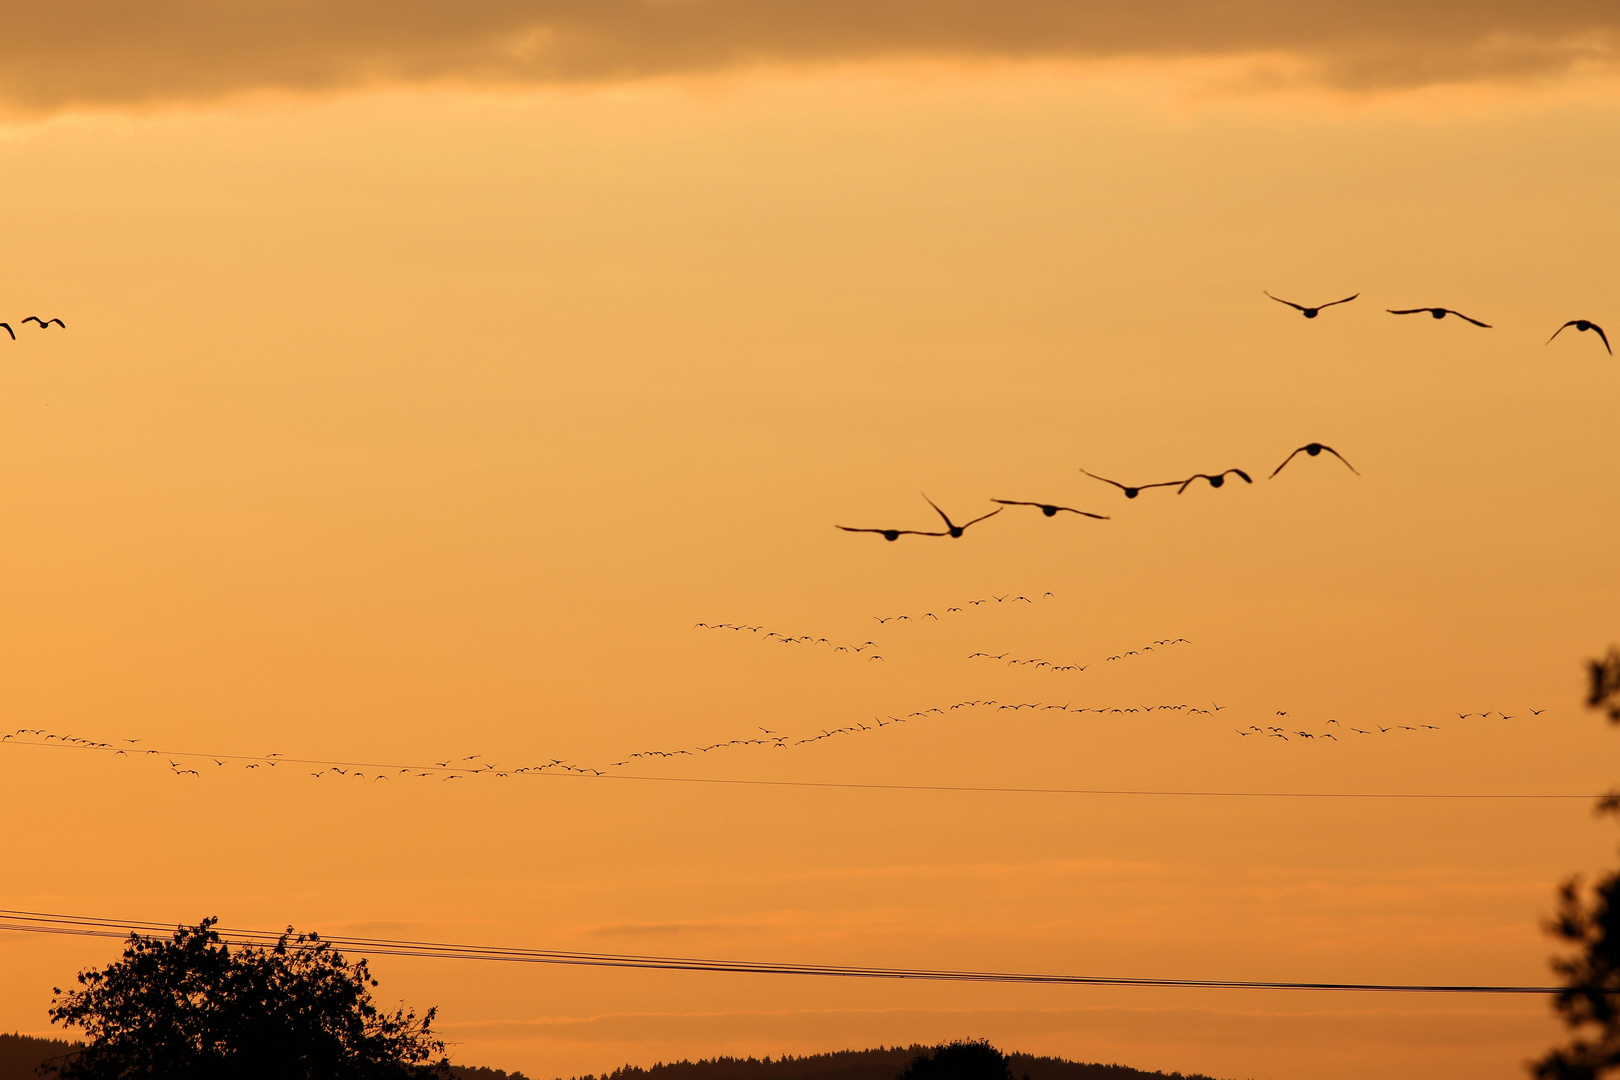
[(113, 53)]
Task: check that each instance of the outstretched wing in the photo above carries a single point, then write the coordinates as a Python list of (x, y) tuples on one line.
[(941, 513), (1410, 311), (1286, 460), (980, 518), (9, 330), (1290, 303), (1465, 318), (1093, 475), (1340, 456), (1604, 336), (1346, 300), (1566, 326), (1016, 502), (1241, 473), (1190, 479), (1085, 513)]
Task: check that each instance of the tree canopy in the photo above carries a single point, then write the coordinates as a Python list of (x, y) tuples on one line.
[(1589, 1003), (195, 1008), (961, 1060)]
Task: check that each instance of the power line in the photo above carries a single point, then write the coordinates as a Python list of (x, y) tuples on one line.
[(79, 926), (541, 770)]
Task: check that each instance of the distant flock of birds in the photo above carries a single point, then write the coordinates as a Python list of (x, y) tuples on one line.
[(44, 324), (474, 765), (1051, 667)]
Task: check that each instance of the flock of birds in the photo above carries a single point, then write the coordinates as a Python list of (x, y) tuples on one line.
[(473, 764), (1582, 325), (44, 324), (1215, 480), (186, 762), (1036, 662)]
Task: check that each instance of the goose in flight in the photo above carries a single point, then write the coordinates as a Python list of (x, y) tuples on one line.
[(45, 324), (951, 528), (1583, 325), (1310, 312), (1050, 510), (1130, 492), (892, 534), (955, 531), (1437, 312), (1215, 481), (1312, 449)]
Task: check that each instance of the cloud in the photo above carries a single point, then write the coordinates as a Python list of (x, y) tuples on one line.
[(111, 53)]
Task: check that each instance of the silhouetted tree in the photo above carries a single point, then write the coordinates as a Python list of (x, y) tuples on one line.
[(195, 1009), (1590, 1000), (961, 1060), (1605, 684)]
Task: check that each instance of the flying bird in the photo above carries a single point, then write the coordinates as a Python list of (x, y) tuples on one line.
[(1130, 492), (1214, 481), (1583, 325), (1313, 449), (1437, 312), (954, 529), (45, 324), (1310, 312), (1049, 510), (893, 534)]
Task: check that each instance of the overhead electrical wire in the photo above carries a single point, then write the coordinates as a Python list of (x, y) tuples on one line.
[(36, 922)]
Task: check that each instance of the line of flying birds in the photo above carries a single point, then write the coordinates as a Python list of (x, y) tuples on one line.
[(44, 324), (1049, 666), (1215, 480), (1582, 325), (473, 765)]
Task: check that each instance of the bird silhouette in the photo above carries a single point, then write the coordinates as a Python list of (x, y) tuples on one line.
[(956, 530), (1130, 492), (1583, 325), (1215, 481), (1437, 312), (44, 324), (1313, 449), (893, 534), (1050, 510), (1310, 312)]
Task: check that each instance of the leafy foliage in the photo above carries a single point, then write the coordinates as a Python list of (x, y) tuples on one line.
[(1590, 1000), (193, 1009), (1605, 684), (961, 1060)]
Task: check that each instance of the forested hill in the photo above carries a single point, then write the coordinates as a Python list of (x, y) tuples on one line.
[(880, 1064), (21, 1055)]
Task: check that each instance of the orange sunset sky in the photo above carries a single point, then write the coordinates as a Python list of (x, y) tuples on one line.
[(430, 370)]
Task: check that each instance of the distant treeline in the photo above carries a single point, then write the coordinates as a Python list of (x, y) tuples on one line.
[(21, 1056), (884, 1063)]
